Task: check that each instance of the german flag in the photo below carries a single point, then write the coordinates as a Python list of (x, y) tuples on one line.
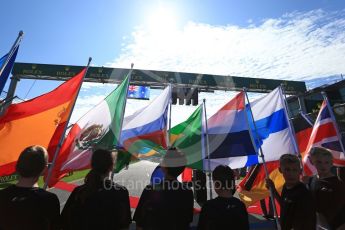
[(303, 129), (252, 188), (39, 121)]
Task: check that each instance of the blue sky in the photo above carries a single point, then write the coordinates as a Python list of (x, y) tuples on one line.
[(291, 39), (67, 32)]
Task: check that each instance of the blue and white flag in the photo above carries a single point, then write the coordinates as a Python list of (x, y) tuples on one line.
[(273, 133)]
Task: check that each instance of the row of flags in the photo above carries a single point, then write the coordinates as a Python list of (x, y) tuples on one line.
[(323, 133), (238, 135)]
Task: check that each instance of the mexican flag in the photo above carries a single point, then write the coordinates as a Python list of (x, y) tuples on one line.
[(189, 138), (98, 128)]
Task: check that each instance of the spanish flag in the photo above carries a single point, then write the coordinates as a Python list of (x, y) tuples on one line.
[(39, 121)]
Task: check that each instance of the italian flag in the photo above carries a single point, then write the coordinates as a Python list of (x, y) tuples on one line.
[(98, 128)]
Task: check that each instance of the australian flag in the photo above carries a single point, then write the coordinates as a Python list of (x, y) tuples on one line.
[(139, 92)]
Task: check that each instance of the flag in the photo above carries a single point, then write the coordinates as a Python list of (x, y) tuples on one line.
[(324, 134), (303, 131), (139, 92), (144, 132), (272, 131), (98, 128), (187, 175), (228, 132), (38, 121), (8, 68), (189, 138), (157, 176), (123, 159), (253, 189)]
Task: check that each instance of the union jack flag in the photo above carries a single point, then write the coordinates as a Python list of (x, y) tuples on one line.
[(324, 134)]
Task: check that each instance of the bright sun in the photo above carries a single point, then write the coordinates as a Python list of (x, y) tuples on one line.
[(162, 19)]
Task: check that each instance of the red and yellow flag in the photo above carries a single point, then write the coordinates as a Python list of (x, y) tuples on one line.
[(252, 188), (39, 121)]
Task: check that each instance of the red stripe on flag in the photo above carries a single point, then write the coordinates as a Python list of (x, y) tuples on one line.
[(187, 175), (63, 155), (44, 102), (325, 131), (8, 169), (65, 186), (302, 138), (237, 103), (158, 137)]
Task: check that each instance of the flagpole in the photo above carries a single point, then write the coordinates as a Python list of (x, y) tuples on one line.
[(288, 114), (265, 166), (170, 107), (123, 115), (14, 46), (51, 167), (7, 101), (249, 129), (291, 128), (124, 105), (208, 150), (334, 121), (306, 118)]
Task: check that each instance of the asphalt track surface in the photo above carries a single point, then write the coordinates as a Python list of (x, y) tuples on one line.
[(138, 176)]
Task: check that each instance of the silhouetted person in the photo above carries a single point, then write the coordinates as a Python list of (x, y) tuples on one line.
[(25, 205), (297, 206), (225, 211), (168, 204), (327, 190), (98, 203)]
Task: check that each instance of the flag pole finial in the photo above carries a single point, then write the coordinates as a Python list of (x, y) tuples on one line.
[(21, 33), (90, 59), (132, 65)]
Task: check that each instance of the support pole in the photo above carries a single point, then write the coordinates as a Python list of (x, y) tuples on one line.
[(334, 120), (50, 170), (10, 95), (123, 115), (208, 151), (170, 107), (265, 167)]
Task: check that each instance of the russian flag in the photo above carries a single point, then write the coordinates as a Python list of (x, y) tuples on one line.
[(324, 134), (228, 132), (145, 130), (272, 131)]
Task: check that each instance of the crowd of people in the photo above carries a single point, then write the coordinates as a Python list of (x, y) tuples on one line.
[(316, 203)]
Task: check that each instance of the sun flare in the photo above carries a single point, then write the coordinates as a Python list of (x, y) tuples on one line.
[(162, 19)]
